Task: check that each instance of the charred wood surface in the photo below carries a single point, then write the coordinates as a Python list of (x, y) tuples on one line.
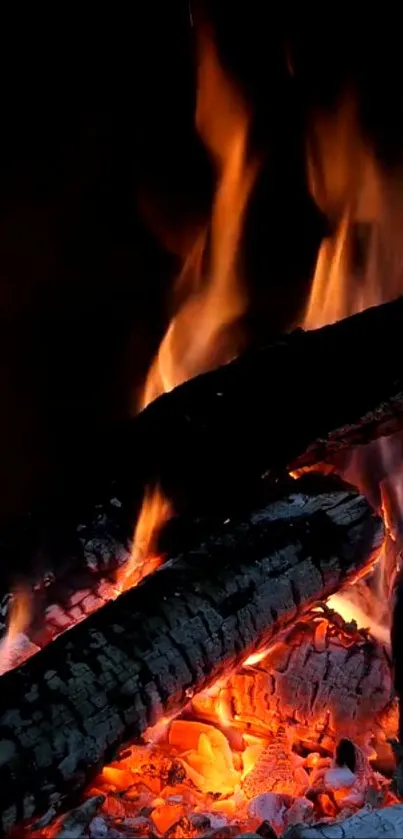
[(323, 678), (70, 707), (300, 400), (366, 824), (297, 401)]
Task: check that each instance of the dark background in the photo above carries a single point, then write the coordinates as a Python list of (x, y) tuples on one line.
[(97, 139)]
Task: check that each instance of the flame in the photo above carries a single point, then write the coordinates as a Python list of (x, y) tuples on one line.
[(358, 266), (255, 658), (204, 333), (346, 605), (145, 558), (18, 622)]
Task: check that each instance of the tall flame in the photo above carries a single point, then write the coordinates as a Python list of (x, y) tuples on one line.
[(204, 331), (359, 265)]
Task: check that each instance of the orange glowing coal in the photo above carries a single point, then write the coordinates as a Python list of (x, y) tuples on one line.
[(204, 332)]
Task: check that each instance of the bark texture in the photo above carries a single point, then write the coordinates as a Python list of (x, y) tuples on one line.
[(297, 401), (322, 677), (366, 824), (69, 708), (208, 442)]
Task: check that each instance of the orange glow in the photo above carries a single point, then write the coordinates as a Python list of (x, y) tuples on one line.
[(144, 558), (364, 617), (204, 333), (256, 657), (193, 769), (18, 622), (358, 266)]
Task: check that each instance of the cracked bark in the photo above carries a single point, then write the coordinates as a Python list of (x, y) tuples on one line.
[(69, 709), (210, 440), (322, 677), (278, 407), (366, 824)]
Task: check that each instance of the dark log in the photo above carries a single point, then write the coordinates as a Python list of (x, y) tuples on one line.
[(300, 400), (68, 709), (297, 401)]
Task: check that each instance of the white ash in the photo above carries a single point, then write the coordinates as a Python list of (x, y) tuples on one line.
[(76, 821), (338, 777), (98, 828), (270, 807)]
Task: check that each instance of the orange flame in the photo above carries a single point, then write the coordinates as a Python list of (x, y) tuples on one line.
[(360, 264), (203, 333), (19, 618), (145, 558)]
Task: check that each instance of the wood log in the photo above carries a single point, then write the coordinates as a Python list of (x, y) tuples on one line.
[(69, 708), (208, 442), (366, 824), (322, 677), (292, 403)]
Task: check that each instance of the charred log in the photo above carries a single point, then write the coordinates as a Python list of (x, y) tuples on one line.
[(70, 707), (209, 441), (366, 824), (271, 409), (323, 678)]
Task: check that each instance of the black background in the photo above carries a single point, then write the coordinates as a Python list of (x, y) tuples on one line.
[(97, 139)]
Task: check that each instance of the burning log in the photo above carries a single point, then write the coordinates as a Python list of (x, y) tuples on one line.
[(277, 406), (69, 708), (322, 678), (367, 824)]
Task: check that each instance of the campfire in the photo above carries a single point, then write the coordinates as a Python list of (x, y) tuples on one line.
[(224, 666)]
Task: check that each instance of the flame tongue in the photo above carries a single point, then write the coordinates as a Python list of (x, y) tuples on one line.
[(203, 333), (357, 267), (18, 622)]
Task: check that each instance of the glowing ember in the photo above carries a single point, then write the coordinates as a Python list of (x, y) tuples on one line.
[(293, 734), (284, 739)]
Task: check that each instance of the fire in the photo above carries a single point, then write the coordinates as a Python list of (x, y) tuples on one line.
[(204, 332), (145, 558), (18, 621), (245, 751), (359, 265)]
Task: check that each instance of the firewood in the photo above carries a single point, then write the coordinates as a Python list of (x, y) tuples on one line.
[(208, 442), (292, 403), (322, 678), (67, 710), (366, 824)]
